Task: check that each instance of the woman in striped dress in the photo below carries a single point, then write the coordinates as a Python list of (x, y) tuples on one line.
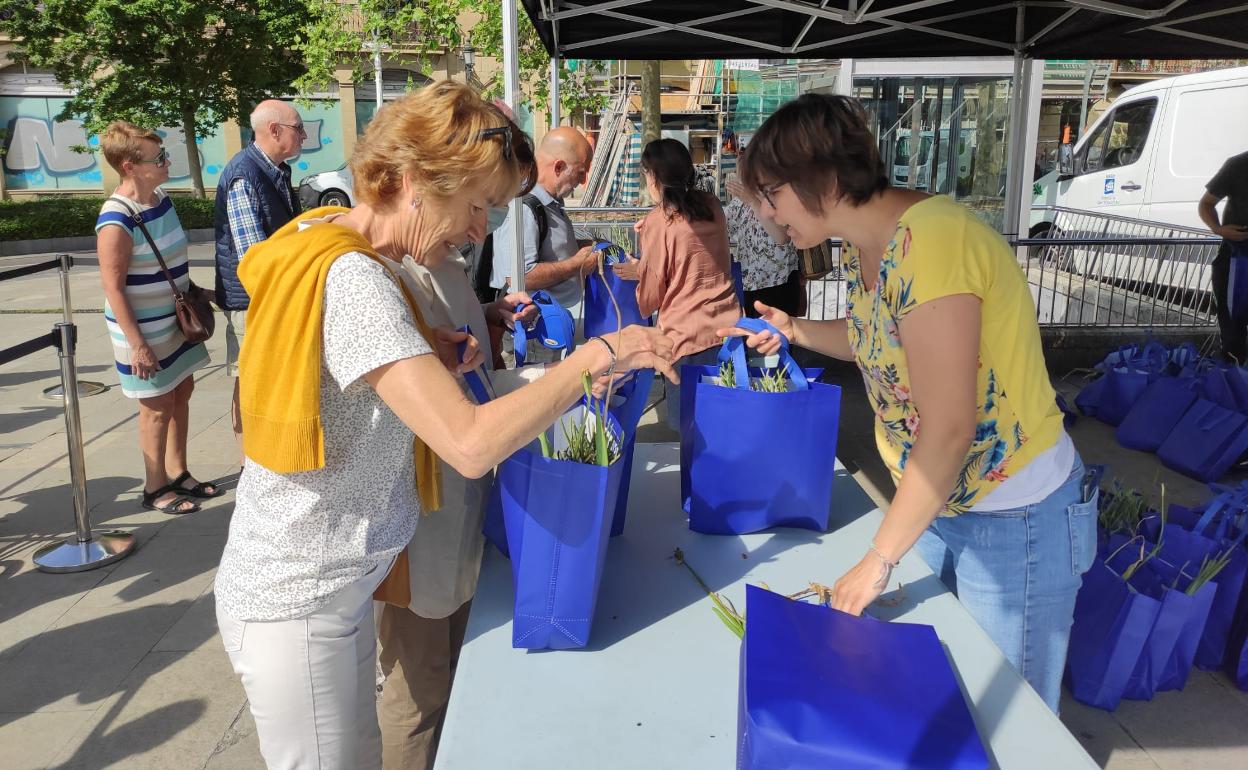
[(154, 359)]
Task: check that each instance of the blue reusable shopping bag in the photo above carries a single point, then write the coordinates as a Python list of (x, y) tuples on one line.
[(1175, 611), (598, 308), (1156, 412), (1237, 284), (822, 689), (1190, 537), (627, 405), (1178, 576), (1205, 442), (1111, 625), (1088, 400), (1126, 379), (750, 461), (557, 516), (553, 329)]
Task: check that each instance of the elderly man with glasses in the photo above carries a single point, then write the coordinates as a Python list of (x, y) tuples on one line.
[(254, 199)]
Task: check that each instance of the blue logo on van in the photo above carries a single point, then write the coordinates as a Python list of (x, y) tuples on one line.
[(1109, 185)]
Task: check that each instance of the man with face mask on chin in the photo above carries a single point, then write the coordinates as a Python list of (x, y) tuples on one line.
[(254, 200), (557, 262)]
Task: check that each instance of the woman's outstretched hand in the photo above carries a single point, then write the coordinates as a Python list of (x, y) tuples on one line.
[(643, 347), (764, 342)]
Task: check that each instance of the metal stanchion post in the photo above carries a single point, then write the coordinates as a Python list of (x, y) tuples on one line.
[(84, 549), (85, 387)]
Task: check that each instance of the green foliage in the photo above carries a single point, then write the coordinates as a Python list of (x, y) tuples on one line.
[(188, 63), (770, 381), (575, 97), (72, 217), (1123, 511), (339, 35), (1210, 566), (591, 444)]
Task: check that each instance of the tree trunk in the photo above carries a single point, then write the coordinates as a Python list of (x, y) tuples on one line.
[(192, 152), (651, 107), (987, 162)]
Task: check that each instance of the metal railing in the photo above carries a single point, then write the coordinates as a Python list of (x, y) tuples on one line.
[(1101, 270), (1090, 270)]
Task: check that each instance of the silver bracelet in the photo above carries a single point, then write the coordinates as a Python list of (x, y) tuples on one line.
[(886, 567), (883, 558), (611, 350)]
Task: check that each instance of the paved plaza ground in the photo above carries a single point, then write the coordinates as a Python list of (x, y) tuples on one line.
[(122, 666)]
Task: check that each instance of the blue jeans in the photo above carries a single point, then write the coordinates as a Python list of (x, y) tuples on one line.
[(1017, 572)]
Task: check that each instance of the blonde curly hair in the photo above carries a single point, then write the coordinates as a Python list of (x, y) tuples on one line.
[(433, 137)]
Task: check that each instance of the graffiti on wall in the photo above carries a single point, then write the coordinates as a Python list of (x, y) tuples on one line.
[(41, 152)]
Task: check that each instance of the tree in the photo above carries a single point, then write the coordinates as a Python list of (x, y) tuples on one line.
[(347, 34), (577, 96), (188, 63)]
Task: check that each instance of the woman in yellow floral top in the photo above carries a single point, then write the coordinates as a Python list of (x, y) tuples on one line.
[(942, 325)]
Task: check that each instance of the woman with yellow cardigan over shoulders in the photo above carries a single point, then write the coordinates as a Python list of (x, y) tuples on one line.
[(348, 407)]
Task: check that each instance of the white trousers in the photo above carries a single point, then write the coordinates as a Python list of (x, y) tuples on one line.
[(312, 682)]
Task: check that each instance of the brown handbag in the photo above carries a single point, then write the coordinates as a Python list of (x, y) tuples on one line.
[(193, 307), (817, 262)]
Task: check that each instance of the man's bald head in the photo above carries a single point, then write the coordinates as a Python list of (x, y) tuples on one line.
[(278, 129), (563, 160)]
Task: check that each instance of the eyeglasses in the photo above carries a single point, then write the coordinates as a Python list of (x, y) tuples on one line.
[(769, 193), (298, 128), (160, 158)]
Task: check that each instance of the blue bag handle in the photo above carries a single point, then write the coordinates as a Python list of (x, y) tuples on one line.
[(475, 384), (1229, 499), (733, 350), (612, 254), (554, 327)]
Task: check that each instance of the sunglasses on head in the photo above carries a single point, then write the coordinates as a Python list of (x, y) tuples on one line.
[(160, 158), (505, 133)]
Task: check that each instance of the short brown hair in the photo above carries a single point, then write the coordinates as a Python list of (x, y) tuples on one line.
[(120, 142), (433, 137), (818, 144)]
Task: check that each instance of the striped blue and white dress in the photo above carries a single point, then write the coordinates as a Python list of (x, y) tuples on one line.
[(151, 299)]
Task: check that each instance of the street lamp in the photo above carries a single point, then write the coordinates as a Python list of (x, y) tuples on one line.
[(470, 58)]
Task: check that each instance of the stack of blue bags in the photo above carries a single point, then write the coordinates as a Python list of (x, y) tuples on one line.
[(1138, 629), (1191, 411)]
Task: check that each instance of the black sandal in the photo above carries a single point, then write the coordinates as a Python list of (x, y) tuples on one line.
[(200, 489), (174, 506)]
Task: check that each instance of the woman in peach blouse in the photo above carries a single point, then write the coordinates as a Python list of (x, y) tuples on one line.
[(684, 271)]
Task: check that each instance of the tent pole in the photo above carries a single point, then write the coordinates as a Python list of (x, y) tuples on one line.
[(554, 91), (511, 94)]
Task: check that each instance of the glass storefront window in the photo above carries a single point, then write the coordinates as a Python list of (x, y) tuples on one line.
[(946, 136)]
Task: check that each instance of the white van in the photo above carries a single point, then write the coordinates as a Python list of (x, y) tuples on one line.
[(1150, 156)]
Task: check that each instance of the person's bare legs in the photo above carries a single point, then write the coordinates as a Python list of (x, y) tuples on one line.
[(179, 427), (176, 441), (155, 415)]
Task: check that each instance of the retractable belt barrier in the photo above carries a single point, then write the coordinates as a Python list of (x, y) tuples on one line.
[(84, 549)]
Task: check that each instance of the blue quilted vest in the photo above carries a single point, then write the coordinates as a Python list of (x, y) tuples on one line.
[(275, 210)]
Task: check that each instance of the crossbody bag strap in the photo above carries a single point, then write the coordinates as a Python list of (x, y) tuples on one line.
[(137, 218)]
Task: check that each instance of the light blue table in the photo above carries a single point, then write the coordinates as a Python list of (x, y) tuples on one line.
[(657, 688)]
